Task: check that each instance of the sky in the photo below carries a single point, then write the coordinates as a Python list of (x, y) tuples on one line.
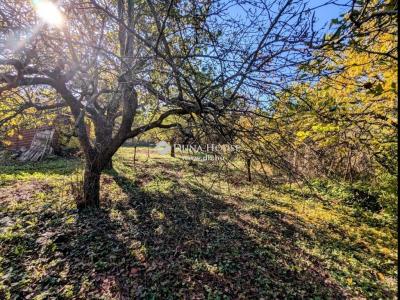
[(326, 13), (323, 12)]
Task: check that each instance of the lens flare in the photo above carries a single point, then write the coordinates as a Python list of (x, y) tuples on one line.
[(48, 12)]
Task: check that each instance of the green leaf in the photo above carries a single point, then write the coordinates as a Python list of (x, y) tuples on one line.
[(335, 21)]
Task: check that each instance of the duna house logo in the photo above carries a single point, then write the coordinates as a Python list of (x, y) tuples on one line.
[(162, 147), (197, 152)]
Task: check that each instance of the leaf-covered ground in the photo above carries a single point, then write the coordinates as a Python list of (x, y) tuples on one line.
[(172, 230)]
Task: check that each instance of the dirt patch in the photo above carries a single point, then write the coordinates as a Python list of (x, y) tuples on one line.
[(143, 179), (22, 191)]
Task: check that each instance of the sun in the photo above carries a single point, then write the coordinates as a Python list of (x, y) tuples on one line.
[(48, 12)]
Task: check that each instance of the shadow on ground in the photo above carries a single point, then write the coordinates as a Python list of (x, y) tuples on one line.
[(185, 244), (197, 245)]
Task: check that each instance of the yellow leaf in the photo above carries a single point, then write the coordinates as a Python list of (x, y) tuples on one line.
[(380, 276)]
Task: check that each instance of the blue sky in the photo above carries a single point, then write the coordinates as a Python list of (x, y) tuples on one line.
[(326, 13)]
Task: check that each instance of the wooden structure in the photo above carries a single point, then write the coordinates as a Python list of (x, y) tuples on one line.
[(22, 139), (40, 146), (50, 138)]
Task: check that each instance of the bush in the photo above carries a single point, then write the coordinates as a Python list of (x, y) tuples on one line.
[(364, 199), (385, 186)]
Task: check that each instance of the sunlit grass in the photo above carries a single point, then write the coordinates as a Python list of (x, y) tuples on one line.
[(162, 214)]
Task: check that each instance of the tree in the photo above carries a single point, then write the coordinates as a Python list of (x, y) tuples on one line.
[(340, 118), (109, 62), (361, 25), (351, 112)]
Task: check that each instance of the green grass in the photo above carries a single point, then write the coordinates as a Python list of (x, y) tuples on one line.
[(171, 230), (54, 169)]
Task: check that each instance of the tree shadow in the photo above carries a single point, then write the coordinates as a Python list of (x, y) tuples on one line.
[(54, 252), (187, 243), (196, 244)]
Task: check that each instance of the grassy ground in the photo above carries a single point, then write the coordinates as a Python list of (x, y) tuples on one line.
[(172, 230)]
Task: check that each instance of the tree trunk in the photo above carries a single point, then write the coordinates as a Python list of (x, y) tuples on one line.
[(148, 152), (172, 144), (248, 165), (91, 190), (134, 155), (109, 165)]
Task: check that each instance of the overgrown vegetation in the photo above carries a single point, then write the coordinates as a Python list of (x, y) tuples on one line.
[(304, 204), (170, 230)]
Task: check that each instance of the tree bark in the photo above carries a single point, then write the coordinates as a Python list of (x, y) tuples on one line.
[(91, 190), (248, 165), (109, 165), (148, 153), (172, 144)]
